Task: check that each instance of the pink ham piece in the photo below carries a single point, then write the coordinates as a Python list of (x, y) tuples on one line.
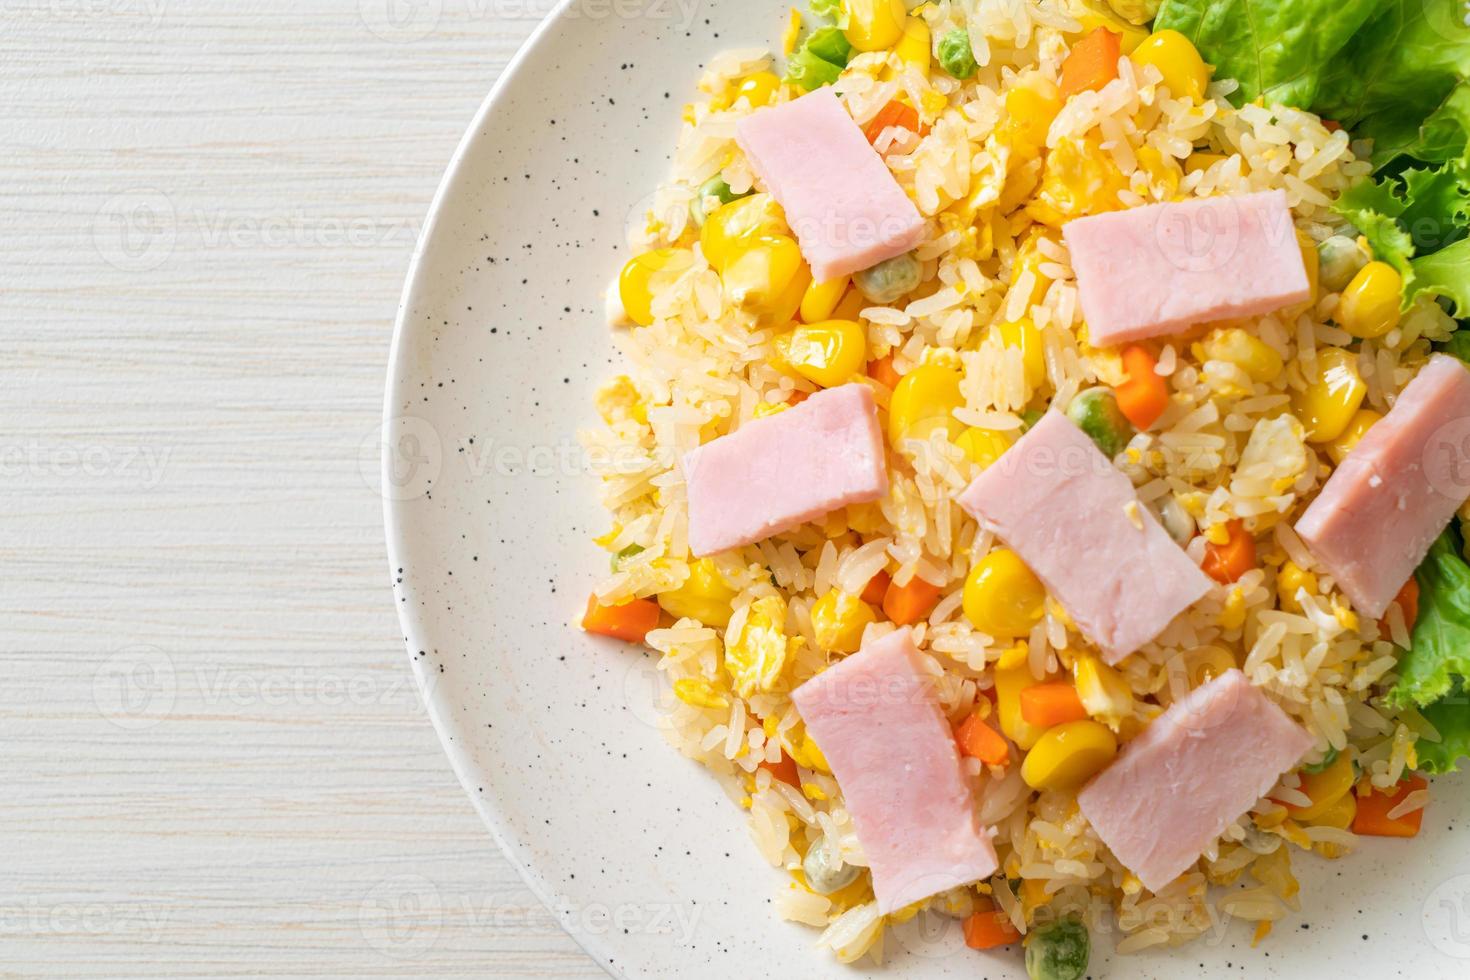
[(1158, 269), (876, 719), (775, 473), (840, 199), (1374, 521), (1191, 773), (1076, 522)]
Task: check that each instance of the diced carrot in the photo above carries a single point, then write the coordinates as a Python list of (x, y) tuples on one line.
[(876, 588), (785, 770), (1331, 125), (1145, 395), (1408, 601), (1092, 62), (988, 927), (630, 621), (1229, 561), (1056, 703), (1372, 817), (894, 113), (979, 741), (882, 372), (907, 604), (797, 397)]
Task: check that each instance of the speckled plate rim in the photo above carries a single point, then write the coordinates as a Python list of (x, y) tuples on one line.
[(395, 525)]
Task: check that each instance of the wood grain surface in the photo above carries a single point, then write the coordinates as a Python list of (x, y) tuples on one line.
[(216, 762)]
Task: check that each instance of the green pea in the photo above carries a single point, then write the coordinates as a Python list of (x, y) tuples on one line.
[(1030, 417), (1096, 413), (956, 56), (716, 188), (1058, 951), (624, 555), (890, 279), (1340, 258)]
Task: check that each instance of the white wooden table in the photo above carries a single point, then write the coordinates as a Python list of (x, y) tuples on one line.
[(215, 761)]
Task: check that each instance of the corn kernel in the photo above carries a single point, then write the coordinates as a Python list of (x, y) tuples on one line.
[(636, 284), (757, 89), (821, 298), (704, 596), (1363, 420), (1312, 262), (983, 446), (827, 353), (874, 25), (1185, 73), (1251, 354), (838, 620), (916, 45), (1003, 598), (1291, 580), (1232, 613), (1329, 403), (760, 271), (1103, 691), (770, 408), (1023, 334), (742, 220), (1009, 683), (925, 399), (1370, 303), (1068, 755), (1030, 108), (1207, 663)]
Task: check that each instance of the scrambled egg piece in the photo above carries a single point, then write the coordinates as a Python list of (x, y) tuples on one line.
[(758, 655)]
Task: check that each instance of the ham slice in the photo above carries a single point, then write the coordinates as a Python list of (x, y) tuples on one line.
[(840, 199), (775, 473), (876, 719), (1375, 519), (1196, 769), (1076, 522), (1158, 269)]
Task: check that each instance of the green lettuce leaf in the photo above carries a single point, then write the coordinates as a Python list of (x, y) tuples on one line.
[(1276, 49), (1439, 650), (1440, 137), (1445, 273), (830, 9), (1451, 716), (1397, 72), (819, 60)]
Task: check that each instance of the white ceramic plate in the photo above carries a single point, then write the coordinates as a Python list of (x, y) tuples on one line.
[(500, 344)]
